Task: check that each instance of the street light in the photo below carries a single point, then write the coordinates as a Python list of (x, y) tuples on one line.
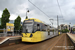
[(51, 20), (70, 27), (26, 14)]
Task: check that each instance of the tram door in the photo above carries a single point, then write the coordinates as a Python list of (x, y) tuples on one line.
[(48, 30)]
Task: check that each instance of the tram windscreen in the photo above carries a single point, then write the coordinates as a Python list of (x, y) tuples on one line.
[(28, 26)]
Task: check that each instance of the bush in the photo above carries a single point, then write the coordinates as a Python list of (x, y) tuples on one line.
[(64, 30)]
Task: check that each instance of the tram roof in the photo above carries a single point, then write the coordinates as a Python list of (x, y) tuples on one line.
[(36, 20)]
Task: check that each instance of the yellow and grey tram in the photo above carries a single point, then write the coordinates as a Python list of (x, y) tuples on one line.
[(35, 30)]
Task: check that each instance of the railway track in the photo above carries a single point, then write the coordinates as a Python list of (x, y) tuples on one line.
[(55, 43)]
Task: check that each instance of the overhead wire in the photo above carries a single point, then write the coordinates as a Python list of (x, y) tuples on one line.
[(60, 10), (44, 12), (39, 9)]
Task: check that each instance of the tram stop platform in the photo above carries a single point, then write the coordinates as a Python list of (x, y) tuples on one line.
[(10, 40), (72, 38)]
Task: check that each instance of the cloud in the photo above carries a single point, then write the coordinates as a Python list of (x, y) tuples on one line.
[(68, 11), (50, 7), (12, 17), (0, 14)]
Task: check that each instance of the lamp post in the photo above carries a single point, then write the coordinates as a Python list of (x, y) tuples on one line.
[(70, 27), (26, 14)]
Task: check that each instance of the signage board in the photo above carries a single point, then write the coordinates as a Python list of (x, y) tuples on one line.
[(10, 27)]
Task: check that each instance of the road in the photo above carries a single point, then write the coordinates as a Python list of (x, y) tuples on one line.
[(61, 42)]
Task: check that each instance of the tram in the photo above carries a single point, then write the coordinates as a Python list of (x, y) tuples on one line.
[(35, 30)]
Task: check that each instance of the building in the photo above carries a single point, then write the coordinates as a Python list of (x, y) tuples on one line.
[(73, 27), (64, 26), (12, 21)]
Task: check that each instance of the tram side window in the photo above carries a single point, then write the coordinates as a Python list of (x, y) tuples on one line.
[(44, 28), (38, 27)]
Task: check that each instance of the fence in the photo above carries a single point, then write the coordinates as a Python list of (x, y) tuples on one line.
[(4, 33), (17, 32)]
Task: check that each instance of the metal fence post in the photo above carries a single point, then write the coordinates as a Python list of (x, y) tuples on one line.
[(18, 32), (4, 32), (13, 33)]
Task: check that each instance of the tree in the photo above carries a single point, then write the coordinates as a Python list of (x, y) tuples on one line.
[(17, 22), (5, 18), (74, 29), (64, 30)]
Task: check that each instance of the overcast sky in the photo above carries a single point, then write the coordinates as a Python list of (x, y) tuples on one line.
[(50, 7)]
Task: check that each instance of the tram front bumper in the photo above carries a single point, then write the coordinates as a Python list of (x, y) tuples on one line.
[(27, 39)]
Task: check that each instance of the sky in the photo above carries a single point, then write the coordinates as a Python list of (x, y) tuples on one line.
[(49, 7)]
